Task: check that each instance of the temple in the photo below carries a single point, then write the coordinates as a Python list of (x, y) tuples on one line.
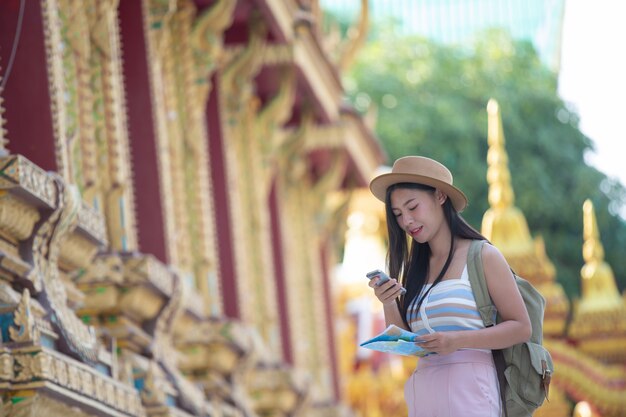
[(172, 176), (179, 181)]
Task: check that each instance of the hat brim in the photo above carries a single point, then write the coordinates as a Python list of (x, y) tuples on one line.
[(379, 186)]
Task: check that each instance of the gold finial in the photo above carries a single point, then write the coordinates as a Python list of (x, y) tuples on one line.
[(498, 176), (503, 224), (357, 34), (506, 227), (593, 250), (599, 290), (599, 319)]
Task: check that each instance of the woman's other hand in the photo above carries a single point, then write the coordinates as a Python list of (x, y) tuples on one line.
[(438, 342)]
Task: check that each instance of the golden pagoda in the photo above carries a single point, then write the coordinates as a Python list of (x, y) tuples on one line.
[(506, 227), (579, 376), (599, 320)]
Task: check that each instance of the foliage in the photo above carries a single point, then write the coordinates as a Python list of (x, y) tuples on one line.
[(431, 100)]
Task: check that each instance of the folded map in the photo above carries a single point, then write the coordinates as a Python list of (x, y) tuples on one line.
[(395, 340)]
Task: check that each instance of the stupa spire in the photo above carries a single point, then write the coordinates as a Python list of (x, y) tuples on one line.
[(599, 290), (503, 223), (599, 320), (506, 227), (498, 175)]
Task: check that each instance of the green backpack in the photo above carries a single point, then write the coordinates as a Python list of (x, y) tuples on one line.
[(525, 369)]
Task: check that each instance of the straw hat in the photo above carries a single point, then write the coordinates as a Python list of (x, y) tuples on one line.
[(420, 170)]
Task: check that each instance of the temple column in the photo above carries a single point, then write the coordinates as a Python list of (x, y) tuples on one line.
[(244, 123)]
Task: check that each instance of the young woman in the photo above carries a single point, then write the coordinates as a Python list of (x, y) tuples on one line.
[(428, 247)]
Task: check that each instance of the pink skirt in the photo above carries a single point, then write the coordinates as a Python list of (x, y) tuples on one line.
[(461, 384)]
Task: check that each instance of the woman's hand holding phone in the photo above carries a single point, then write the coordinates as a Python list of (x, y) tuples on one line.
[(385, 288)]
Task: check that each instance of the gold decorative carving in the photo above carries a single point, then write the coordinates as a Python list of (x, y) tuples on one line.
[(110, 125), (270, 119), (92, 223), (141, 303), (278, 55), (140, 269), (6, 366), (77, 71), (88, 110), (38, 405), (24, 329), (68, 53), (101, 284), (163, 350), (206, 41), (80, 338), (248, 154), (193, 304), (277, 390), (56, 80), (197, 242), (18, 172), (334, 221), (17, 218), (29, 367), (240, 66), (76, 252), (169, 122), (29, 189), (356, 37), (105, 268), (8, 296), (13, 263), (303, 266), (316, 68), (156, 386), (219, 346), (33, 366)]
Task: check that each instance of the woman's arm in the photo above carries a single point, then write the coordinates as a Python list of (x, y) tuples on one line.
[(515, 326), (387, 294)]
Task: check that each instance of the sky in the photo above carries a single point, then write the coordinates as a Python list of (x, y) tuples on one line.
[(593, 78)]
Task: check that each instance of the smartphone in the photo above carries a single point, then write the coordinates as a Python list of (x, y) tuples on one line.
[(383, 278), (378, 273)]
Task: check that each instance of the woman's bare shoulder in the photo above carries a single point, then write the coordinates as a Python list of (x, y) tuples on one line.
[(493, 259)]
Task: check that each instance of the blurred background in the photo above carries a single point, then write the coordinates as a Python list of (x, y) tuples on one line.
[(185, 219)]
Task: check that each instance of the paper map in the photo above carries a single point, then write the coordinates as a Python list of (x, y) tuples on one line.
[(395, 340)]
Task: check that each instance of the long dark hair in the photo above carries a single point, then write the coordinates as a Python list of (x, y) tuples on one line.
[(408, 260)]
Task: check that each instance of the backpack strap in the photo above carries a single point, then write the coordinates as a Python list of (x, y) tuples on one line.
[(486, 308), (479, 286)]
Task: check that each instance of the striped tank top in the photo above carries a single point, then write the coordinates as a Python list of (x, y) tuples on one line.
[(449, 306)]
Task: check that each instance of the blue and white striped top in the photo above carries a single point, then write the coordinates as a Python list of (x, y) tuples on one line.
[(449, 306)]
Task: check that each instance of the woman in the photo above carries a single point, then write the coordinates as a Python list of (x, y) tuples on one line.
[(458, 377)]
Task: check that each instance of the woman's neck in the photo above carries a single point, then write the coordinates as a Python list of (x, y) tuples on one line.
[(440, 244)]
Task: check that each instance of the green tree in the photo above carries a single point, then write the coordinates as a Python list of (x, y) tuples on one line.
[(431, 100)]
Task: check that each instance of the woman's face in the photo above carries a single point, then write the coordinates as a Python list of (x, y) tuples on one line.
[(419, 213)]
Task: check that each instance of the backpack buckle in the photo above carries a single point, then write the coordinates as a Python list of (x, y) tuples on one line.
[(546, 377)]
